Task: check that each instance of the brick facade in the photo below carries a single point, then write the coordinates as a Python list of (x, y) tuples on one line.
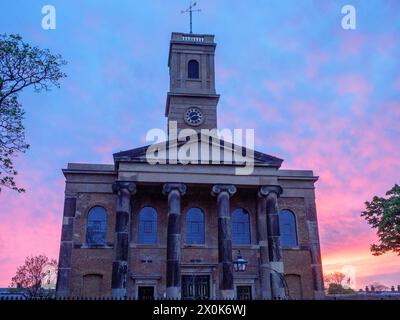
[(147, 263)]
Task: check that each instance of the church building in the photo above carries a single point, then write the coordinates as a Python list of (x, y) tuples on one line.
[(189, 231)]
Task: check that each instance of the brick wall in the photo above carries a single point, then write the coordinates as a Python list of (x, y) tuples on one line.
[(150, 260)]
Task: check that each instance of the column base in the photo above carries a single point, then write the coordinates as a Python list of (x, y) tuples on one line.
[(279, 294), (278, 289), (173, 293), (118, 293), (266, 295)]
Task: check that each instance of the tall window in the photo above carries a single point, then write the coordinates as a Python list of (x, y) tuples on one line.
[(287, 226), (147, 226), (193, 69), (194, 226), (240, 226), (96, 226)]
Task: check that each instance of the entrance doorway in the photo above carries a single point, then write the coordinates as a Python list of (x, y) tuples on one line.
[(145, 293), (195, 287), (243, 292)]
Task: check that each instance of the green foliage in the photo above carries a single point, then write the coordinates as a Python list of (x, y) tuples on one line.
[(21, 66), (335, 288), (383, 214), (12, 140)]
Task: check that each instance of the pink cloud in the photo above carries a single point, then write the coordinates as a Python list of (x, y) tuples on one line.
[(352, 44), (268, 112), (353, 83), (105, 149), (386, 43), (314, 61), (355, 160), (279, 88), (30, 223), (224, 74)]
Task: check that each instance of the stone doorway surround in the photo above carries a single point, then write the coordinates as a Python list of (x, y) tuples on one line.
[(141, 280), (202, 269), (246, 280)]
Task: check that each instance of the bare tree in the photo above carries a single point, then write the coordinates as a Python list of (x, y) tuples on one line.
[(335, 281), (379, 286), (33, 275), (335, 277)]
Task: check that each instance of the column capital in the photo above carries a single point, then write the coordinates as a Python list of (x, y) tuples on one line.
[(218, 188), (128, 185), (180, 187), (264, 191)]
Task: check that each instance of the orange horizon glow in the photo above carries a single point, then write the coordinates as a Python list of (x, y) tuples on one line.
[(320, 97)]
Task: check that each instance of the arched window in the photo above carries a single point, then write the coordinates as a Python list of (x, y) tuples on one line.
[(96, 226), (147, 226), (193, 69), (287, 226), (240, 226), (194, 226)]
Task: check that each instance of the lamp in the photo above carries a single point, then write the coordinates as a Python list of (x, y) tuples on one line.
[(240, 264)]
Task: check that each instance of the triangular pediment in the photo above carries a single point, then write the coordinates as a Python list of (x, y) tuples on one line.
[(210, 150)]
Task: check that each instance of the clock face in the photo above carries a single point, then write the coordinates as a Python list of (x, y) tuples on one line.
[(193, 116)]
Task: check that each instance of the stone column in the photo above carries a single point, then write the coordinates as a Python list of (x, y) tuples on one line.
[(315, 252), (274, 247), (174, 192), (262, 237), (64, 261), (124, 190), (225, 267)]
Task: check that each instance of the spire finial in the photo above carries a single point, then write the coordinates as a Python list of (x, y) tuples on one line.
[(190, 10)]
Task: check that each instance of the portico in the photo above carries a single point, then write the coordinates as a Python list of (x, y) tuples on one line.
[(219, 194)]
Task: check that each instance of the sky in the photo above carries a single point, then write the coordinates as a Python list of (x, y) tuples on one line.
[(318, 96)]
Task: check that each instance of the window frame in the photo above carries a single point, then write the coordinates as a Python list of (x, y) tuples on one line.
[(104, 231), (249, 227), (296, 235), (203, 228), (154, 224), (189, 71)]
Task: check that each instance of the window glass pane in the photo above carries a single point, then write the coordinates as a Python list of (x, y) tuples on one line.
[(287, 226), (96, 226), (240, 227), (147, 226), (193, 69), (194, 226)]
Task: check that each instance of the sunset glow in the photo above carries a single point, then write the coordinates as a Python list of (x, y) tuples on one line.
[(318, 96)]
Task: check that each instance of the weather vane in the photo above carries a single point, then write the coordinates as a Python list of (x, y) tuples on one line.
[(190, 10)]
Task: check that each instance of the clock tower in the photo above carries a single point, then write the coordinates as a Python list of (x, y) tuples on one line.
[(192, 100)]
